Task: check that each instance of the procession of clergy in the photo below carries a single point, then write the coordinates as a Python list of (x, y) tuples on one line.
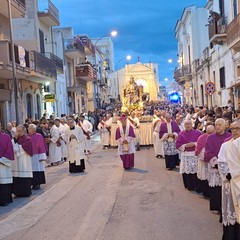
[(208, 155)]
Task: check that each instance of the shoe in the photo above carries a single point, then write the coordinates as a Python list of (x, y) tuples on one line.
[(157, 156), (36, 187)]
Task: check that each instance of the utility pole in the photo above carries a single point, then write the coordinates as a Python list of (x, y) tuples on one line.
[(14, 80)]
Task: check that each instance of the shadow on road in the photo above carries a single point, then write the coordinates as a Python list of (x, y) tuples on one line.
[(137, 170)]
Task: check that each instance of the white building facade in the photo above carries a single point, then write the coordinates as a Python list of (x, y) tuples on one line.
[(218, 61), (144, 74), (192, 37)]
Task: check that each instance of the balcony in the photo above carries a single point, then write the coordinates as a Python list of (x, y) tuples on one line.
[(42, 68), (103, 83), (48, 13), (182, 74), (58, 61), (74, 48), (88, 46), (217, 31), (86, 71), (233, 34), (22, 60), (18, 8)]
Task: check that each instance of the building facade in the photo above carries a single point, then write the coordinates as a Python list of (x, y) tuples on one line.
[(219, 59), (34, 32), (144, 74), (191, 33), (22, 60)]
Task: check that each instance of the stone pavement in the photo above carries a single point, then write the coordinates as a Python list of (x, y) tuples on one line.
[(108, 203)]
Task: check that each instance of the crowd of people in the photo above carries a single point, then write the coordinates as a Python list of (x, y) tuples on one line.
[(205, 144), (202, 142)]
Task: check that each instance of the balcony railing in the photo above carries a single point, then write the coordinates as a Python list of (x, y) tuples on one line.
[(22, 59), (48, 12), (87, 43), (86, 72), (20, 2), (18, 8), (217, 30), (183, 73), (44, 65), (74, 48), (233, 34), (58, 61)]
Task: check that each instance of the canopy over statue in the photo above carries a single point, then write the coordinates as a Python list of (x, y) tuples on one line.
[(132, 96)]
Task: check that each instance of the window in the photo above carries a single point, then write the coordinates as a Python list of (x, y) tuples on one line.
[(41, 40), (222, 77), (29, 105), (221, 7), (235, 8), (1, 32), (38, 114)]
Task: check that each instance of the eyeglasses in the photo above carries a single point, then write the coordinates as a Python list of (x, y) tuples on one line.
[(235, 128)]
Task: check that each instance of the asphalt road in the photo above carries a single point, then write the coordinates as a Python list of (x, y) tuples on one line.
[(108, 203)]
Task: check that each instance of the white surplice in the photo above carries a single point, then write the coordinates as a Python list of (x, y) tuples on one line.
[(22, 165), (5, 171), (75, 146), (157, 142), (228, 210), (104, 133), (64, 148), (55, 152), (88, 127)]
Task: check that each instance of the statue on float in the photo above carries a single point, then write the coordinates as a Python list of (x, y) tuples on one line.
[(132, 96)]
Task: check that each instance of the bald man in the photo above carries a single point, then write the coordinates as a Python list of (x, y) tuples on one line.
[(213, 145), (186, 143), (202, 172)]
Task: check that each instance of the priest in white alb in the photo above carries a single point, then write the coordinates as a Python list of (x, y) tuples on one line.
[(104, 132), (75, 142)]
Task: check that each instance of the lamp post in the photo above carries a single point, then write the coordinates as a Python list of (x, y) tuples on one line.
[(128, 58), (15, 83), (96, 91)]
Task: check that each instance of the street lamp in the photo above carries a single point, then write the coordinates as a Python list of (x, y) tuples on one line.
[(111, 34), (128, 58)]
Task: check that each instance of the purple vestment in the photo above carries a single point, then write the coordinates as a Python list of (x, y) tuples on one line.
[(131, 132), (6, 147), (213, 145), (201, 143), (185, 137), (127, 158), (38, 144), (163, 128), (26, 143)]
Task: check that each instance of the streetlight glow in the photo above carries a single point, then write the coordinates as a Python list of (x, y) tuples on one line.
[(114, 33), (129, 57)]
